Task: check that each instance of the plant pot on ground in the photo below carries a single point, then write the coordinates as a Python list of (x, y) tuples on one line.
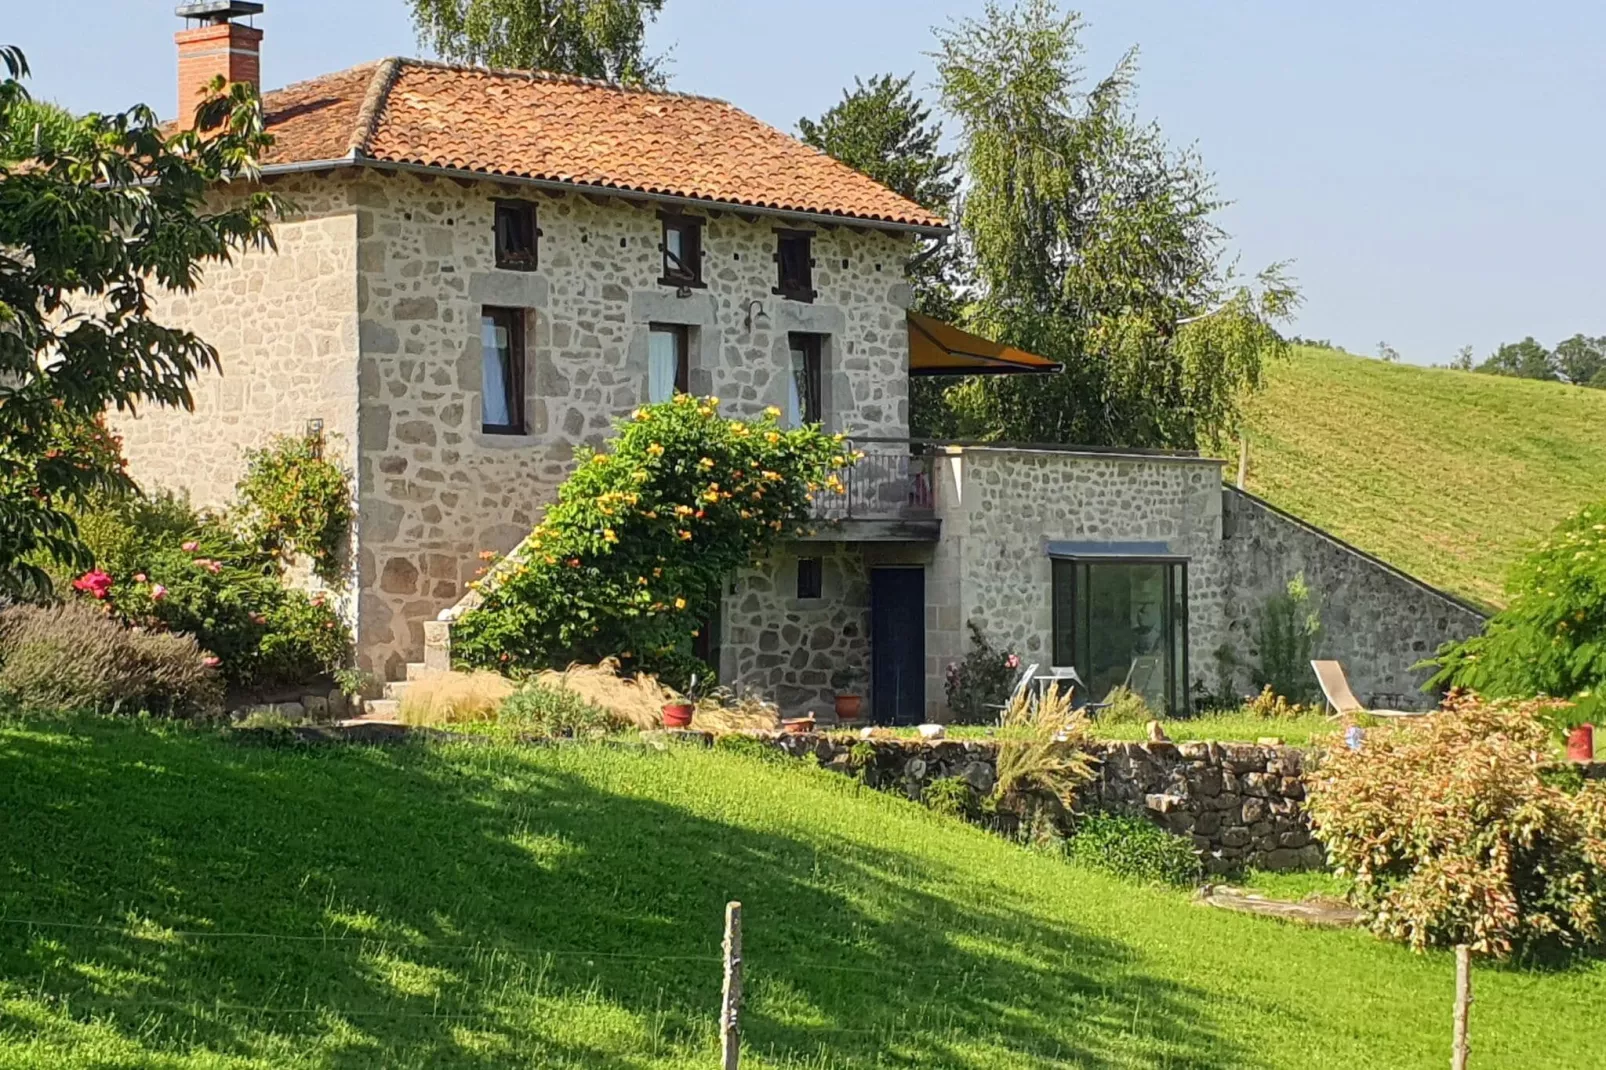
[(845, 681), (681, 706)]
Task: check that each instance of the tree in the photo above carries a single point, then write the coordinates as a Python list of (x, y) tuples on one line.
[(1387, 353), (882, 129), (1582, 359), (1526, 359), (90, 226), (1093, 243), (37, 127), (635, 554), (1463, 361), (605, 39)]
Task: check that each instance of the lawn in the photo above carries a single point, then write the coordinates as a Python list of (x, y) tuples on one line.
[(1445, 474), (1232, 726), (172, 898)]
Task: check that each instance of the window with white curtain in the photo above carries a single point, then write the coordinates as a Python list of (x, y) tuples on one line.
[(502, 371), (803, 384), (668, 365)]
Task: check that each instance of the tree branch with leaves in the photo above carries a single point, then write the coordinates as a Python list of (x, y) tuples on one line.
[(603, 39)]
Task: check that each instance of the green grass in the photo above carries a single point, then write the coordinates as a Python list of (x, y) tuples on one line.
[(1235, 726), (1447, 475), (172, 899)]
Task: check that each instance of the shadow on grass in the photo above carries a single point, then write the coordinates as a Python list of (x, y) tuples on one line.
[(478, 907)]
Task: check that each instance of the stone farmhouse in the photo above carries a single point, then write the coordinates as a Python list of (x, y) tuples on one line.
[(486, 268)]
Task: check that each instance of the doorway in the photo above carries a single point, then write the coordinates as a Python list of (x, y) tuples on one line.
[(898, 645)]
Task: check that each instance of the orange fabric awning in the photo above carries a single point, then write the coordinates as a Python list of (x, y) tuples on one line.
[(938, 348)]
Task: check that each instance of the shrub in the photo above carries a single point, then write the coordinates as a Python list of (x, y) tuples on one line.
[(1040, 749), (950, 796), (1135, 848), (1286, 630), (750, 747), (292, 500), (632, 557), (1271, 706), (454, 698), (1126, 706), (76, 657), (543, 710), (1451, 834), (1551, 637), (172, 569), (979, 685)]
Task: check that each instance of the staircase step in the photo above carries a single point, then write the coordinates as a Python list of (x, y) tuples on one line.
[(395, 689), (382, 709), (417, 670)]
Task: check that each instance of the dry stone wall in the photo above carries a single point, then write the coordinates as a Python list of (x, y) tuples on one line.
[(435, 490), (1239, 803)]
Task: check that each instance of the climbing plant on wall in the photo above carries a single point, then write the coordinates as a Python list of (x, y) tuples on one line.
[(631, 559)]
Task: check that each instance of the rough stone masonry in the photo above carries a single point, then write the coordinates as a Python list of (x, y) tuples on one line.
[(1239, 802)]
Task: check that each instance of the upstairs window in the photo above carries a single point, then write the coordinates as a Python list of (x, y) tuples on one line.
[(803, 385), (502, 371), (668, 362), (516, 235), (683, 251), (794, 264)]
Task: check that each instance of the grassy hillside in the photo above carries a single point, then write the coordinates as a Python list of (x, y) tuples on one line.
[(1445, 474), (172, 899)]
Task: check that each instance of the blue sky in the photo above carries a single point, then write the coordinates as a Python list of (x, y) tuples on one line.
[(1431, 168)]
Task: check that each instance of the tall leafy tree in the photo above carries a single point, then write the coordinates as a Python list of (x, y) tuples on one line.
[(93, 221), (604, 39), (1582, 360), (1094, 243), (884, 130), (1526, 359)]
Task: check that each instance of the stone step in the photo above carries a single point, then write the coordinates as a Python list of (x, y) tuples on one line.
[(417, 670), (395, 689), (386, 710)]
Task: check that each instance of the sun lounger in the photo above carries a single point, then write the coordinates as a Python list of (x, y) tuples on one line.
[(1342, 701)]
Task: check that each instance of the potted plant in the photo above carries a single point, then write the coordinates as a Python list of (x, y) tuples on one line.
[(679, 709), (847, 701)]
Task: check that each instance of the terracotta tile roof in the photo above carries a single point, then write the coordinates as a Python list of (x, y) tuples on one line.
[(563, 129)]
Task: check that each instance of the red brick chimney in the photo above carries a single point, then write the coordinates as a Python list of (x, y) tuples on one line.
[(218, 45)]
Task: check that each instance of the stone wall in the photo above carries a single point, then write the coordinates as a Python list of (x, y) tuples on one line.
[(285, 327), (1240, 803), (1001, 507), (1376, 620), (435, 491)]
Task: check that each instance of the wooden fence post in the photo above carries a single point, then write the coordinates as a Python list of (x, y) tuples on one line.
[(1463, 1002), (729, 1032)]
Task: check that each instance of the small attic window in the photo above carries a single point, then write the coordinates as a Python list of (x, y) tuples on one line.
[(794, 264), (683, 251), (516, 236)]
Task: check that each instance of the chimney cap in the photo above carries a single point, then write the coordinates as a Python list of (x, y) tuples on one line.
[(217, 11)]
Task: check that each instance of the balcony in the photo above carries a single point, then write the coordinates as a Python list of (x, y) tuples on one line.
[(886, 497)]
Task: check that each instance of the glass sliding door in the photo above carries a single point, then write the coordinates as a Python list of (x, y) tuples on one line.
[(1124, 623)]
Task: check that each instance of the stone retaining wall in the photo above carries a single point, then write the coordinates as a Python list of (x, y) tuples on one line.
[(1240, 803)]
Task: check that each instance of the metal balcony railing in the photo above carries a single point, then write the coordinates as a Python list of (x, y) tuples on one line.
[(889, 482)]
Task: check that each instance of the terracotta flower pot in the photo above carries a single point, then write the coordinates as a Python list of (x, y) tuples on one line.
[(1581, 744), (847, 707), (798, 726), (678, 714)]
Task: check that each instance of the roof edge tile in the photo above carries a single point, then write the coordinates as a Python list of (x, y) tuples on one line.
[(373, 104)]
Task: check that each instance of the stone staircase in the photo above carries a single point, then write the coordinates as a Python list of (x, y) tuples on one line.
[(437, 658)]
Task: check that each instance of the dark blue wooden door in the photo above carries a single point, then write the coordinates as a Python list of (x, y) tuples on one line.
[(898, 645)]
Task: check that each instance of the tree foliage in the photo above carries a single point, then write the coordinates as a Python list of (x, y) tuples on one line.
[(632, 558), (102, 214), (1551, 638), (1582, 360), (1093, 242), (1526, 359), (605, 39)]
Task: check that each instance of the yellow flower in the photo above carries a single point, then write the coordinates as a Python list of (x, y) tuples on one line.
[(609, 536), (711, 496), (680, 603), (682, 510), (599, 459), (684, 535), (739, 429), (641, 581), (773, 412), (551, 560), (705, 463), (772, 438), (651, 514), (774, 477), (657, 572), (714, 401), (656, 450), (641, 414)]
